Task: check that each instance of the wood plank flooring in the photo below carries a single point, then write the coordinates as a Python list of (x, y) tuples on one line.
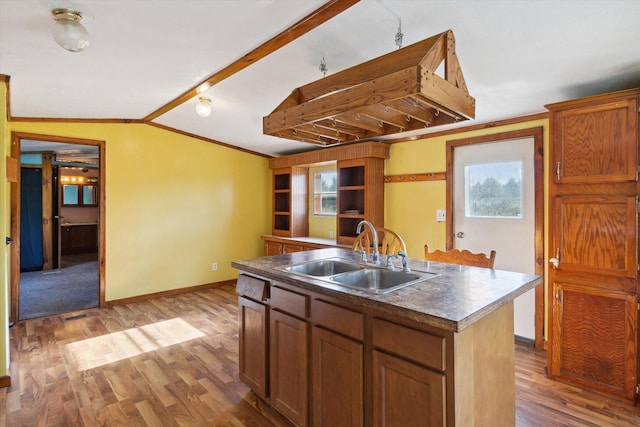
[(173, 362)]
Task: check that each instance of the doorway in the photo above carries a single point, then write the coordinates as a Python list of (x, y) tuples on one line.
[(64, 216), (494, 194)]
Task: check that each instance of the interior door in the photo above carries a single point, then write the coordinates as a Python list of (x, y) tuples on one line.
[(31, 252), (55, 215), (494, 209)]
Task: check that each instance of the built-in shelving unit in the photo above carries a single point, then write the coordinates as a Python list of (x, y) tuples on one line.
[(290, 212), (360, 169), (360, 196)]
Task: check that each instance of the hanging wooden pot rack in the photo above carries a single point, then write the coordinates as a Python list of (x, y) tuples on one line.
[(392, 94)]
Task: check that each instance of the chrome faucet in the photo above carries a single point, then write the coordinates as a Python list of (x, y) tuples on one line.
[(404, 256), (390, 265), (376, 255)]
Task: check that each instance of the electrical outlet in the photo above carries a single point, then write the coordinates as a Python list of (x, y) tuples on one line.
[(441, 215), (331, 234), (214, 266)]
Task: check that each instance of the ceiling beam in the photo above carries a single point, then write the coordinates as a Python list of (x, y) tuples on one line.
[(306, 24)]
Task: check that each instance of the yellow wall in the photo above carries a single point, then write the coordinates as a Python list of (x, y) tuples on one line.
[(174, 205), (4, 227), (320, 226)]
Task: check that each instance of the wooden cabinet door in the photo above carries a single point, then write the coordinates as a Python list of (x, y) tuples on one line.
[(406, 394), (66, 239), (289, 367), (252, 322), (596, 142), (272, 248), (337, 380), (596, 234), (595, 340), (85, 237)]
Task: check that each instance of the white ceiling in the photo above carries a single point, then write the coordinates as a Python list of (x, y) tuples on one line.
[(516, 56)]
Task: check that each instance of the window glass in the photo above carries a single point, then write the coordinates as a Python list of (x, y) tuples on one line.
[(493, 190), (325, 184), (70, 195), (89, 195)]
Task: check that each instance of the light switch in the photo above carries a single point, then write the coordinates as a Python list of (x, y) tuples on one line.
[(441, 215)]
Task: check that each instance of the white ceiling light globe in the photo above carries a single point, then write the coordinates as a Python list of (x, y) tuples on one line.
[(203, 107), (68, 32)]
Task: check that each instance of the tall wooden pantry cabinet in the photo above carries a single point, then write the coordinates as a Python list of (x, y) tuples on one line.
[(593, 242)]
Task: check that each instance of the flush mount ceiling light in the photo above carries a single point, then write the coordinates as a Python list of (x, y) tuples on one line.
[(68, 32), (203, 107)]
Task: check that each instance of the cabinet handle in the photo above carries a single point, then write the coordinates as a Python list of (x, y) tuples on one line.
[(558, 171), (556, 259)]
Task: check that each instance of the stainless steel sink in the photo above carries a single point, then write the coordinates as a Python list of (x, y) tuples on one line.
[(364, 277), (324, 267), (379, 280)]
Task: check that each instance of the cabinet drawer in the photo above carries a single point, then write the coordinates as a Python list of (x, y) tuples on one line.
[(289, 302), (342, 320), (252, 287), (288, 248), (421, 347)]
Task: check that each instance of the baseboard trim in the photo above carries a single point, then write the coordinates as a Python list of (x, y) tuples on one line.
[(169, 293), (5, 381), (524, 340)]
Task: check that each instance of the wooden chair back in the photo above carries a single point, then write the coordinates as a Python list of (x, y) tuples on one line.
[(462, 257), (389, 242)]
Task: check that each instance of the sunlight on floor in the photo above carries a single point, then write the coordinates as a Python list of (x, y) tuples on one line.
[(98, 351)]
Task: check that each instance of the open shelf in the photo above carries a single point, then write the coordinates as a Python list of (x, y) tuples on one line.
[(360, 196), (290, 210)]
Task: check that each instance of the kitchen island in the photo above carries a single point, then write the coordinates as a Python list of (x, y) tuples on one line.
[(440, 352)]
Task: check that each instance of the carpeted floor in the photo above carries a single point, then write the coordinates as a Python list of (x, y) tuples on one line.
[(70, 288)]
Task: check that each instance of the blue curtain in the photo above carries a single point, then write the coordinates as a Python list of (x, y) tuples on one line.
[(31, 257)]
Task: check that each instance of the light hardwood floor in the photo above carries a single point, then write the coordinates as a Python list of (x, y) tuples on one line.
[(173, 362)]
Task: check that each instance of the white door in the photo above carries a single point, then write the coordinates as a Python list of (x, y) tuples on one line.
[(494, 209)]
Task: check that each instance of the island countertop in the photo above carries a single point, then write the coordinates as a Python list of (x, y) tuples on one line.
[(456, 299)]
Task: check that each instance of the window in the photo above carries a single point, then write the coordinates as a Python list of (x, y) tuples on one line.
[(493, 190), (70, 195), (325, 184), (79, 195)]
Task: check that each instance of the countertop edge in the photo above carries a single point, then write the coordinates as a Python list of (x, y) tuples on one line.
[(266, 267)]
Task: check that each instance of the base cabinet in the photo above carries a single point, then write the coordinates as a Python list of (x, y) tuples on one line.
[(274, 245), (252, 322), (272, 248), (79, 238), (396, 383), (337, 379), (289, 373), (335, 363)]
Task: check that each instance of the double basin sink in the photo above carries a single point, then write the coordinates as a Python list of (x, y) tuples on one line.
[(364, 277)]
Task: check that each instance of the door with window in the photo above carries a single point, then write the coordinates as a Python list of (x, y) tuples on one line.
[(495, 208)]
